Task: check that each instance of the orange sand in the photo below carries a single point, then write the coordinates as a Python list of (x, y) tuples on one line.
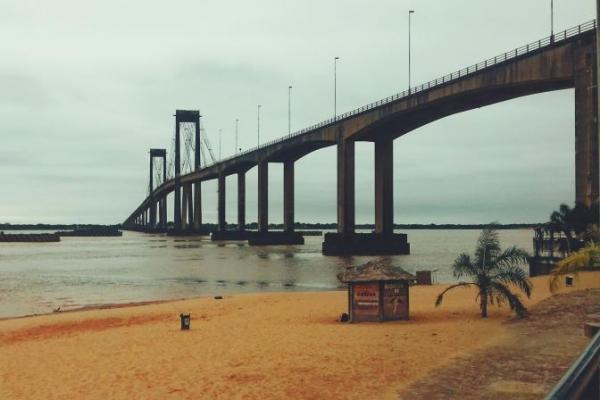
[(261, 346)]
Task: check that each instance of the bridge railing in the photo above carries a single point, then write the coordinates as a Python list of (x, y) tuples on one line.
[(472, 69), (528, 48), (581, 381)]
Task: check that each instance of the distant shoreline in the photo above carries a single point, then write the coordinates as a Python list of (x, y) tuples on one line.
[(298, 226)]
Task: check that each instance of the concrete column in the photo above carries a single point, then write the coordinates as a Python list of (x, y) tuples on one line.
[(586, 131), (152, 213), (190, 204), (221, 203), (197, 206), (263, 196), (384, 186), (184, 208), (162, 215), (345, 186), (241, 201), (177, 190), (197, 186), (151, 187), (288, 196)]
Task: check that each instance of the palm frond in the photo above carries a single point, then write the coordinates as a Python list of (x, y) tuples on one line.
[(488, 247), (440, 298), (512, 256), (514, 274), (463, 266), (502, 293), (572, 264)]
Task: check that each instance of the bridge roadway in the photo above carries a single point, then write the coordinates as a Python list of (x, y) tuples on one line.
[(567, 60)]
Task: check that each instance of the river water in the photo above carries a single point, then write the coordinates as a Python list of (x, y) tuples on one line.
[(77, 272)]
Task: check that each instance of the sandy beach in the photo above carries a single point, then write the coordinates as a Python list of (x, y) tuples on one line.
[(258, 346)]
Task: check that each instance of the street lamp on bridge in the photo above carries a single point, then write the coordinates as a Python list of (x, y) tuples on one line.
[(335, 87), (551, 20), (290, 110), (410, 12), (236, 136), (258, 126)]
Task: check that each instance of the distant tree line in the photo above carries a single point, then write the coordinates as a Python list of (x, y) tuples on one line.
[(333, 225), (254, 225), (8, 226)]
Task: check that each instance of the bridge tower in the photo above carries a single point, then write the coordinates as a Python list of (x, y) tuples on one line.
[(191, 211), (162, 154)]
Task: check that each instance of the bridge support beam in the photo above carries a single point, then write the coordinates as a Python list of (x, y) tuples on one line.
[(263, 196), (345, 187), (190, 205), (240, 233), (162, 205), (384, 240), (222, 224), (197, 207), (288, 196), (152, 214), (264, 236), (384, 186), (177, 190), (587, 170), (241, 213), (184, 208)]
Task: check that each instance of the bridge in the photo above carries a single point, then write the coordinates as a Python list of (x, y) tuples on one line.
[(565, 60)]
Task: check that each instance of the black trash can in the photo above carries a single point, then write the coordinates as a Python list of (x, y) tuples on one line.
[(185, 321), (568, 280)]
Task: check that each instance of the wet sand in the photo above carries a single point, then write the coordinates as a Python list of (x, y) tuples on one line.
[(260, 346)]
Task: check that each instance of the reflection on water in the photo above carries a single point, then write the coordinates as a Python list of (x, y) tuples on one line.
[(38, 277)]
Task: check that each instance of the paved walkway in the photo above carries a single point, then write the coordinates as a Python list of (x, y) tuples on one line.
[(536, 353)]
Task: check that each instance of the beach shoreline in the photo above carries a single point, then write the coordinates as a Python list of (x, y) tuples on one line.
[(255, 345)]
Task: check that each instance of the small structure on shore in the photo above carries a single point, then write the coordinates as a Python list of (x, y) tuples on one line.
[(377, 292)]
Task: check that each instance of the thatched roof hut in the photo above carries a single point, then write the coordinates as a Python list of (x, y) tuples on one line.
[(375, 271), (377, 292)]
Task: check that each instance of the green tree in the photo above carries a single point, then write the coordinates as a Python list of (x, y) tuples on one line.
[(493, 270), (586, 257)]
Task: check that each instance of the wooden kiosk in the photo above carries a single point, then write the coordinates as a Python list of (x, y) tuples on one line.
[(377, 292)]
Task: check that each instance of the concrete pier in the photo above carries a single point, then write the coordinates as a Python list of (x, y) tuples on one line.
[(336, 244), (587, 171), (383, 240), (241, 176), (288, 196), (222, 224), (263, 196)]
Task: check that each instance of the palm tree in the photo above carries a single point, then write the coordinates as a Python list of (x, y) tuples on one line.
[(574, 222), (492, 271), (585, 257), (562, 220)]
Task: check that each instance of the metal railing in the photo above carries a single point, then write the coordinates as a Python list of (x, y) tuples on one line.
[(444, 80), (581, 380), (490, 62)]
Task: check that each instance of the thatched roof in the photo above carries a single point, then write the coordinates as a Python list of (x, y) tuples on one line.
[(375, 271)]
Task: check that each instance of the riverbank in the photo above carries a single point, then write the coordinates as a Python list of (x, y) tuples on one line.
[(264, 346)]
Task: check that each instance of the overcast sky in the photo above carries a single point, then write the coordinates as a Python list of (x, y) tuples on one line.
[(86, 88)]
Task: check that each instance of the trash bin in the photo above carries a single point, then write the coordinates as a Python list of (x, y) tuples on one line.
[(185, 321), (568, 280)]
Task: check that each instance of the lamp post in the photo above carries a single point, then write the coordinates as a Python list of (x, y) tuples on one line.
[(258, 126), (289, 110), (410, 12), (335, 59), (220, 144), (551, 20), (236, 136)]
